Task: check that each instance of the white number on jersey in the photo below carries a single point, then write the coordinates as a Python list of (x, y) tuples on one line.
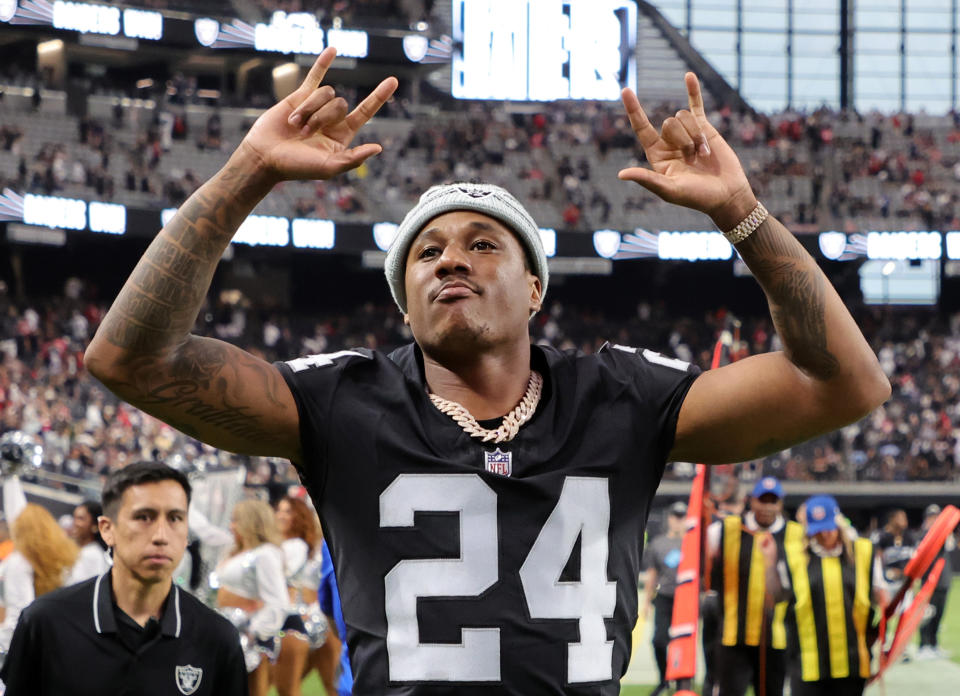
[(656, 358), (659, 359), (321, 359), (477, 656), (583, 511)]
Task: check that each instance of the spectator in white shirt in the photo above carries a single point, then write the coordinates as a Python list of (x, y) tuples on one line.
[(93, 560)]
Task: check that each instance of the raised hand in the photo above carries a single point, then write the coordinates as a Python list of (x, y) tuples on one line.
[(692, 165), (307, 135), (768, 547)]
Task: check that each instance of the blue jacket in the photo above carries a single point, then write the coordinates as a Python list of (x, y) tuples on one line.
[(329, 598)]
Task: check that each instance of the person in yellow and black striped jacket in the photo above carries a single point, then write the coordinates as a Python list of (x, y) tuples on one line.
[(752, 647), (830, 585)]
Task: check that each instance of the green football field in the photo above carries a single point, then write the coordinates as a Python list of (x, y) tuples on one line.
[(950, 628), (949, 639)]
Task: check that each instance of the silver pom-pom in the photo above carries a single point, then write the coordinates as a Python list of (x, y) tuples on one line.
[(19, 452), (316, 624)]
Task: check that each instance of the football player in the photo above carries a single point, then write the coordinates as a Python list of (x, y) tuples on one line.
[(484, 499)]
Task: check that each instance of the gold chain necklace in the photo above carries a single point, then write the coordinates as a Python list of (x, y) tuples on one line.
[(511, 422)]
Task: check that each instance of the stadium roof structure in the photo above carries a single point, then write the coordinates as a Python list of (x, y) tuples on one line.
[(663, 52)]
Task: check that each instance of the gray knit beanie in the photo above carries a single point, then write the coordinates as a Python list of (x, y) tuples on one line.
[(483, 198)]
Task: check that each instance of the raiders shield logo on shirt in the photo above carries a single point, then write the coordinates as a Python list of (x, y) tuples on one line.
[(188, 678)]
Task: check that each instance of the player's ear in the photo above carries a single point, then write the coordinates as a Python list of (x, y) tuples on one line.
[(536, 293), (406, 319)]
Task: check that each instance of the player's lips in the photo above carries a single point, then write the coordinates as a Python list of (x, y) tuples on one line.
[(454, 290), (157, 558)]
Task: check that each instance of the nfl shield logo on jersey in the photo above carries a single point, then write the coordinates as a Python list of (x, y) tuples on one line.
[(498, 462), (188, 678)]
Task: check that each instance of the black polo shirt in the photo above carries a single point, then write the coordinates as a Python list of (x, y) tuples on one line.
[(76, 641)]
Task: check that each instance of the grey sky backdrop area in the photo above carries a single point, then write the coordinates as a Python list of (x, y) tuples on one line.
[(904, 57)]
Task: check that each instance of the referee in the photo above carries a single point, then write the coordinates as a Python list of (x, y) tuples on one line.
[(130, 631)]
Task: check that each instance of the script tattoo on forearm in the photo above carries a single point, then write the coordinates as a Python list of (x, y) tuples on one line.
[(204, 387), (796, 289), (197, 386), (159, 303)]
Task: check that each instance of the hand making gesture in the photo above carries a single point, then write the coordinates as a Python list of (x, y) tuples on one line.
[(692, 164), (307, 135)]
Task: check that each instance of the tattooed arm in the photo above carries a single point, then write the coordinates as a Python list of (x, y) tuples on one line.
[(826, 376), (144, 351)]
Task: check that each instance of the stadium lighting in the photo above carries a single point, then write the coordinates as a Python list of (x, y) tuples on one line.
[(8, 8), (285, 69), (904, 245), (263, 230), (832, 244), (108, 218), (693, 246), (206, 30), (548, 237), (350, 43), (313, 234), (606, 243), (86, 19), (49, 46), (415, 47), (52, 211), (383, 234), (142, 24), (953, 245), (297, 32)]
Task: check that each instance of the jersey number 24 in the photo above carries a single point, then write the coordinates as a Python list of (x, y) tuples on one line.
[(583, 511)]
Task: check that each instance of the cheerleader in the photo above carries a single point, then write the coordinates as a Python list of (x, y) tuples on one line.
[(40, 562), (85, 532), (252, 588), (305, 627)]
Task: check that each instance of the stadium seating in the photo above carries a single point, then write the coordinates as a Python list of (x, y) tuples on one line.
[(45, 392), (818, 171)]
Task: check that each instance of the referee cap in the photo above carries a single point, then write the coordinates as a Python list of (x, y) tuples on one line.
[(488, 199), (822, 512), (768, 484)]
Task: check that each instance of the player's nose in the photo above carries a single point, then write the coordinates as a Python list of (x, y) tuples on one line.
[(453, 259)]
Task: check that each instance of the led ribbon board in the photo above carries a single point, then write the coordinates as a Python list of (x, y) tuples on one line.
[(85, 18), (296, 32)]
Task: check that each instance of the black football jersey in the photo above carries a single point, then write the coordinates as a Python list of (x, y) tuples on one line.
[(473, 568)]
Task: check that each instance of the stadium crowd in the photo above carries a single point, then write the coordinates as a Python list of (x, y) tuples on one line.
[(823, 169), (86, 432)]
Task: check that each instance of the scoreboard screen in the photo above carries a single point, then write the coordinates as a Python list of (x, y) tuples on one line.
[(543, 50)]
